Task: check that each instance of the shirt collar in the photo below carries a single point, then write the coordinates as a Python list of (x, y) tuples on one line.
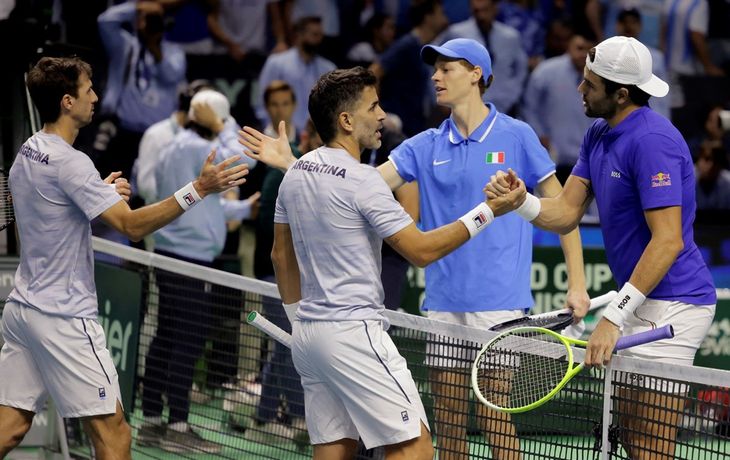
[(627, 123), (480, 133)]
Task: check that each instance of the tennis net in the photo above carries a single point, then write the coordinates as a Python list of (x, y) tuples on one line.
[(246, 401)]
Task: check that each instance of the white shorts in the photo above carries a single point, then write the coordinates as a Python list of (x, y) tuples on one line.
[(65, 358), (691, 324), (356, 384), (449, 352)]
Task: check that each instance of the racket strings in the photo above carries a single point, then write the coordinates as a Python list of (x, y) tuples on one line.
[(521, 368), (7, 214)]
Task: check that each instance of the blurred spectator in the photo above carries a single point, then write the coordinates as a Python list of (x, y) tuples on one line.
[(685, 24), (184, 321), (405, 87), (557, 37), (239, 27), (651, 19), (300, 66), (379, 34), (188, 25), (329, 12), (522, 16), (629, 23), (279, 376), (145, 72), (156, 138), (554, 108), (309, 138), (509, 60), (713, 177)]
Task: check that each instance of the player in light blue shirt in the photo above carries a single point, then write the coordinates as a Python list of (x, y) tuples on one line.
[(54, 345), (332, 214)]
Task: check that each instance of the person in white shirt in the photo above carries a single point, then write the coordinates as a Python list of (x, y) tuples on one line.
[(54, 345)]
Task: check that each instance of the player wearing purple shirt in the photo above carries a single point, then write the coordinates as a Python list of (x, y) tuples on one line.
[(638, 167)]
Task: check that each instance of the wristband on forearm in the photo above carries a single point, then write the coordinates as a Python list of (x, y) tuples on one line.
[(624, 304), (291, 311), (530, 209), (477, 219), (187, 196)]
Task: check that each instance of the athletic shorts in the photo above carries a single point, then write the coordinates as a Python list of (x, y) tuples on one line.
[(64, 358), (449, 352), (356, 384), (691, 324)]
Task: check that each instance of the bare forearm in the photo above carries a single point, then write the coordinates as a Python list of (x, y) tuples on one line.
[(432, 245), (287, 280), (556, 217), (654, 264), (573, 253), (700, 46)]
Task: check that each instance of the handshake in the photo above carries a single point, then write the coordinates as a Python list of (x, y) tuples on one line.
[(505, 192)]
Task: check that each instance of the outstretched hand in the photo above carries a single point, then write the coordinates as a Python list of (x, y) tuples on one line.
[(276, 153), (217, 178)]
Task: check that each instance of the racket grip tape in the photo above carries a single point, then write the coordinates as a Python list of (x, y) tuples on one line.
[(264, 325), (665, 332)]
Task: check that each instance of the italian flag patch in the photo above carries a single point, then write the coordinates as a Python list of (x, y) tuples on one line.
[(495, 158)]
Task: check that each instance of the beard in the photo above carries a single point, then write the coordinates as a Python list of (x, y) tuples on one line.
[(602, 109)]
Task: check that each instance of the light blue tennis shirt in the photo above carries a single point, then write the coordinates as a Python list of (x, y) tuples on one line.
[(492, 270), (200, 232), (338, 211), (57, 191)]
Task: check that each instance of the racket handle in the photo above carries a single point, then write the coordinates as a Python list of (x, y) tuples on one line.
[(602, 300), (266, 326), (665, 332)]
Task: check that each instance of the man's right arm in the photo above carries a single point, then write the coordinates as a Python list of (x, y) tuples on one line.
[(136, 224), (559, 214), (285, 264)]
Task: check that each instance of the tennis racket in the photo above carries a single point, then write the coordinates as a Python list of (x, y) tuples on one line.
[(553, 320), (523, 368), (7, 216), (264, 325)]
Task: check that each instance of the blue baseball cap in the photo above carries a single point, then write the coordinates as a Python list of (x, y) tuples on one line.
[(461, 48)]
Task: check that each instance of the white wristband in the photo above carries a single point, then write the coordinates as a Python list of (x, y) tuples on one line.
[(291, 311), (530, 209), (624, 304), (477, 219), (187, 197)]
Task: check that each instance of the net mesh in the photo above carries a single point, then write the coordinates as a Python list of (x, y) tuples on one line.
[(7, 214), (242, 397)]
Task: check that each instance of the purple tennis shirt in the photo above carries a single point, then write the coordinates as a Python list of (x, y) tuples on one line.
[(644, 163)]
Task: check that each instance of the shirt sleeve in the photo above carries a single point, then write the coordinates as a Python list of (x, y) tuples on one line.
[(581, 168), (81, 182), (699, 20), (375, 202), (404, 160), (657, 171), (235, 209), (280, 216), (538, 162)]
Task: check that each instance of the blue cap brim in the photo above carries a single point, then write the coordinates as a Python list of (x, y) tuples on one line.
[(430, 53)]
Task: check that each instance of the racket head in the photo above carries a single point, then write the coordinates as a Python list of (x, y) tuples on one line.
[(522, 368), (7, 213), (557, 322)]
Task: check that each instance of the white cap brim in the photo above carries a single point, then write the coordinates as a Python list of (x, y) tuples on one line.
[(655, 87)]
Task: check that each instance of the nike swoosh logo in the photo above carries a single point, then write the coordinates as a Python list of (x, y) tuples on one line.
[(437, 163)]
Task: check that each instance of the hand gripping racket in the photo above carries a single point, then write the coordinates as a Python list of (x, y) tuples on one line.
[(7, 216), (553, 320), (523, 368)]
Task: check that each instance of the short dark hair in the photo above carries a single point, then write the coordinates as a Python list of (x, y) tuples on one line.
[(302, 23), (419, 9), (277, 86), (52, 78), (628, 13), (637, 95), (336, 92)]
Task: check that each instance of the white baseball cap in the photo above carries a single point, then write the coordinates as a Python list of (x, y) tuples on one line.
[(215, 100), (626, 60)]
